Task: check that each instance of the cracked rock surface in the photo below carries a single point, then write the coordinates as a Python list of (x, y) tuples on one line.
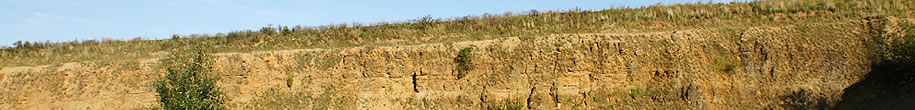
[(719, 68)]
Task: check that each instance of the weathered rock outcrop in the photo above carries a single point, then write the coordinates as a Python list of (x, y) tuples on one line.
[(800, 65)]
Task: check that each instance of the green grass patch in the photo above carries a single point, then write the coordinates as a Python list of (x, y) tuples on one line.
[(725, 64), (635, 93), (329, 62)]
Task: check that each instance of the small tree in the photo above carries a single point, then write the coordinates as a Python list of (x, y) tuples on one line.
[(188, 84), (425, 22), (269, 30), (18, 44), (285, 30), (463, 61)]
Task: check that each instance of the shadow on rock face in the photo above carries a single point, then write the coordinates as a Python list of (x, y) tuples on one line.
[(889, 85), (891, 82)]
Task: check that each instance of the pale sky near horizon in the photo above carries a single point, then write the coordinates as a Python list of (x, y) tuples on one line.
[(68, 20)]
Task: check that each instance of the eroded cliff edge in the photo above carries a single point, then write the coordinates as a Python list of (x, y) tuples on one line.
[(797, 65)]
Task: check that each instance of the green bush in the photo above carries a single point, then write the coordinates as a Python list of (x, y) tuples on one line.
[(188, 83), (463, 60), (634, 93)]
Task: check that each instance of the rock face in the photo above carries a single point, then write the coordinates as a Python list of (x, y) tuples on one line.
[(789, 66)]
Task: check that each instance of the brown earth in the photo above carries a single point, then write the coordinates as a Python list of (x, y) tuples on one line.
[(791, 66)]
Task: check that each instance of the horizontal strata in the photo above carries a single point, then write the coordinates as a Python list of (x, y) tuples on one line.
[(728, 67)]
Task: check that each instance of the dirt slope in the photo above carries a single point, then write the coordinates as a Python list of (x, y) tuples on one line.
[(790, 66)]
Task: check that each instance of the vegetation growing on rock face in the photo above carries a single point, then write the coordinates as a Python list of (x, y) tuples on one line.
[(725, 64), (289, 80), (463, 61), (188, 83), (635, 93)]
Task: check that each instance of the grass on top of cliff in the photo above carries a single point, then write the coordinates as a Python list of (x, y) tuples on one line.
[(432, 30)]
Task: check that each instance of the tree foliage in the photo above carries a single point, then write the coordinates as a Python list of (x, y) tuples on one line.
[(188, 83)]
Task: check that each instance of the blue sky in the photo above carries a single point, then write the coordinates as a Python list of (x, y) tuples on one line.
[(68, 20)]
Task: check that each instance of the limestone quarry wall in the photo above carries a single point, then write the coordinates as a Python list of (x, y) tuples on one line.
[(715, 68)]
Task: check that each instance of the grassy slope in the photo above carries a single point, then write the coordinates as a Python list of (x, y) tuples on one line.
[(429, 30)]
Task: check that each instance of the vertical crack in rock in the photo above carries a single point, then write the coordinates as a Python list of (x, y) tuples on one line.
[(414, 83), (553, 92), (619, 48), (482, 97), (684, 93), (529, 98), (556, 61), (590, 88), (584, 97), (772, 73)]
